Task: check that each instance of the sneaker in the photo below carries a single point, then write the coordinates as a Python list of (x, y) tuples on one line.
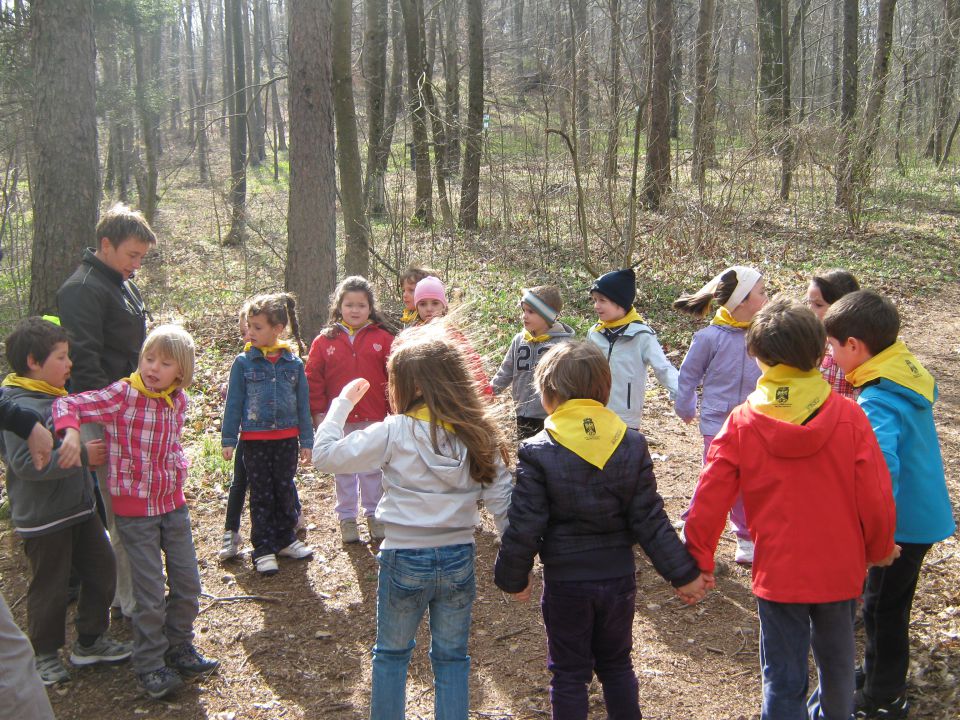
[(375, 528), (51, 670), (229, 546), (160, 683), (267, 564), (744, 554), (895, 709), (104, 649), (297, 550), (188, 661), (348, 531), (859, 677)]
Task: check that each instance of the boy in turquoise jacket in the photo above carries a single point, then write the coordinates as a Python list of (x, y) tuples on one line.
[(897, 395)]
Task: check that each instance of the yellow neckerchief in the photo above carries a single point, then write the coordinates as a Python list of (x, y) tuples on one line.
[(422, 412), (632, 316), (723, 317), (587, 429), (268, 349), (897, 364), (136, 382), (351, 330), (788, 394), (531, 338), (40, 386), (408, 315)]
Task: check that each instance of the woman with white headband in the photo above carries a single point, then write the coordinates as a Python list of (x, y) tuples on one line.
[(718, 360)]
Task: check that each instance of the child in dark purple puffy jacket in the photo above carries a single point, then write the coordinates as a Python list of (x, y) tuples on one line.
[(718, 360)]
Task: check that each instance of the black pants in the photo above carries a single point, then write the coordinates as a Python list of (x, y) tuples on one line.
[(887, 601), (271, 468), (238, 492)]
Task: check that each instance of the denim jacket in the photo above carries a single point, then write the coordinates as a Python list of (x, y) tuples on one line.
[(264, 395)]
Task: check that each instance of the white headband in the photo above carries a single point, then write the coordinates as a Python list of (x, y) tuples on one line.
[(747, 278)]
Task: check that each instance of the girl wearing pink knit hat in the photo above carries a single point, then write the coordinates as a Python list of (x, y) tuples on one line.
[(430, 299)]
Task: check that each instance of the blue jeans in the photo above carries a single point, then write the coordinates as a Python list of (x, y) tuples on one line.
[(441, 579), (787, 633)]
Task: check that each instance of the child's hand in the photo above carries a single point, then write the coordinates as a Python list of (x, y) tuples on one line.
[(70, 449), (40, 445), (223, 391), (96, 453), (354, 390), (709, 581), (693, 592), (523, 595), (306, 455), (228, 453), (888, 560)]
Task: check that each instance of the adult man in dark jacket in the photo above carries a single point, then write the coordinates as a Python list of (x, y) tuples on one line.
[(105, 318)]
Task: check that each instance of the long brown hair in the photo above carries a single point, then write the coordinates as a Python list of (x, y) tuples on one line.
[(428, 368), (353, 283), (279, 309)]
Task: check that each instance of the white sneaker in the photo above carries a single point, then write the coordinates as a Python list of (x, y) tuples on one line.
[(267, 565), (744, 554), (348, 531), (229, 546), (297, 550), (375, 528)]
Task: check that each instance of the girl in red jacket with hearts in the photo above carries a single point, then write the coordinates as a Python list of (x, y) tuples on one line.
[(353, 345)]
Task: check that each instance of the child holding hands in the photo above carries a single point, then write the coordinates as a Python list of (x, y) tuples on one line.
[(585, 494), (818, 506), (441, 453), (268, 407), (143, 418)]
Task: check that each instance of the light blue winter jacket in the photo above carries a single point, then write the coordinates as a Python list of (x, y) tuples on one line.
[(903, 423), (718, 360)]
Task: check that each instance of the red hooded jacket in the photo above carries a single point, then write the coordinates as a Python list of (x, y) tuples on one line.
[(334, 362), (818, 501)]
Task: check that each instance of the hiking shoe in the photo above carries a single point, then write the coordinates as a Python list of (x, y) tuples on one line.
[(188, 661), (297, 550), (744, 554), (229, 546), (267, 564), (161, 682), (104, 649), (348, 531), (375, 528), (895, 709), (51, 670)]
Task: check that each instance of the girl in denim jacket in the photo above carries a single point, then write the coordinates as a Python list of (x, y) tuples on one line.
[(718, 360), (268, 407)]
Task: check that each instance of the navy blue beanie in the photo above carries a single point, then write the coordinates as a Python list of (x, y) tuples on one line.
[(618, 285)]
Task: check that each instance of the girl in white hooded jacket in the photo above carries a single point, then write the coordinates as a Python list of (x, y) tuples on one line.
[(441, 454)]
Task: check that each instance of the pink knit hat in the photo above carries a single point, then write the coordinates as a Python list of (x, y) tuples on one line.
[(430, 288)]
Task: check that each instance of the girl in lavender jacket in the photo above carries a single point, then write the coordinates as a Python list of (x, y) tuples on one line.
[(718, 360)]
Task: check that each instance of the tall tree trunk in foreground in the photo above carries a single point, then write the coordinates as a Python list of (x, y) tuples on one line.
[(473, 135), (656, 182)]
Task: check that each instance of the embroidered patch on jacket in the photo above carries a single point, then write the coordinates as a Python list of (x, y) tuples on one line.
[(783, 394), (589, 428)]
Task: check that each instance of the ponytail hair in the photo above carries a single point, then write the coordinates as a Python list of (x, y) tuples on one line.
[(729, 288), (279, 309), (835, 284)]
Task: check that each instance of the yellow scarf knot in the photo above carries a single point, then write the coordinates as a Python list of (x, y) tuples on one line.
[(632, 316), (422, 412), (408, 316), (351, 330), (897, 364), (136, 382), (587, 429), (270, 349), (531, 338), (724, 317), (789, 394), (14, 380)]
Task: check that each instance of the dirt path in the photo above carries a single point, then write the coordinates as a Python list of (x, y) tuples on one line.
[(297, 645)]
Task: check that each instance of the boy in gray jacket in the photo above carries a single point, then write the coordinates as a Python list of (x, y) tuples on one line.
[(541, 331), (54, 513)]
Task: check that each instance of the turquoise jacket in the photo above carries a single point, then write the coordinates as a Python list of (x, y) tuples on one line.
[(903, 423)]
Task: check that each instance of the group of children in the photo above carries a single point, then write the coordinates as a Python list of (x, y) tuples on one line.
[(818, 490)]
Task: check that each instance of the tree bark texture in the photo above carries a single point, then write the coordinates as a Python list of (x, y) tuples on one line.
[(656, 181), (769, 63), (451, 75), (66, 183), (704, 47), (311, 270), (375, 78), (145, 93), (949, 43), (849, 81), (238, 122), (417, 83), (473, 136)]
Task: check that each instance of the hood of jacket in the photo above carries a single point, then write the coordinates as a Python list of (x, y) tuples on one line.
[(786, 440)]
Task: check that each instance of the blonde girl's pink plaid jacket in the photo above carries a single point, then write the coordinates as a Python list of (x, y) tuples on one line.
[(147, 465)]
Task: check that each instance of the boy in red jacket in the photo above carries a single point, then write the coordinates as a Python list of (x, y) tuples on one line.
[(819, 509)]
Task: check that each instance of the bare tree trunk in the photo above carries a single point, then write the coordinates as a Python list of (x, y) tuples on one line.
[(613, 139), (203, 141), (580, 44), (356, 254), (703, 156), (786, 142), (950, 40), (149, 122), (226, 67), (770, 65), (848, 100), (65, 177), (258, 147), (278, 123), (375, 77), (417, 80), (473, 137), (311, 268), (676, 75), (656, 180), (238, 123), (451, 74)]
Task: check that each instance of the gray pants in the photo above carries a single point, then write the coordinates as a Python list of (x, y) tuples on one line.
[(160, 623), (22, 694)]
